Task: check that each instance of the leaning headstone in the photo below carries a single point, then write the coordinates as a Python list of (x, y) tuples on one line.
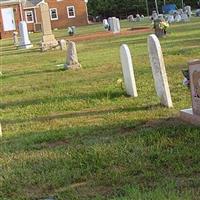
[(15, 38), (192, 115), (48, 39), (72, 58), (159, 71), (63, 44), (24, 36), (127, 69)]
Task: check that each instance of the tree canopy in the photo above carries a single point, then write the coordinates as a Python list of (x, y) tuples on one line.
[(123, 8)]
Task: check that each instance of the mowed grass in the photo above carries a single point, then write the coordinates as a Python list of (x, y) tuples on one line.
[(70, 135)]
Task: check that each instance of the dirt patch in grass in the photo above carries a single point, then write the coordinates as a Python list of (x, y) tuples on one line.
[(54, 144), (100, 35)]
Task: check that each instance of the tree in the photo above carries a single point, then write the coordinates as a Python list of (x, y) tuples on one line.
[(122, 8)]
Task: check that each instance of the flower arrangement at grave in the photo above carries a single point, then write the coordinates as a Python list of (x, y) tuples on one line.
[(164, 26)]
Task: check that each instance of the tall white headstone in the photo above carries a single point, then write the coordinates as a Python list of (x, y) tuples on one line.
[(159, 71), (118, 28), (127, 69), (110, 22), (24, 36)]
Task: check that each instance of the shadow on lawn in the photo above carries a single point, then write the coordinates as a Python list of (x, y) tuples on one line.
[(9, 52), (83, 96), (31, 73), (81, 114), (95, 135)]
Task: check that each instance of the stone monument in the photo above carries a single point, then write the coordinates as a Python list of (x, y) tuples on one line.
[(72, 58), (127, 69), (24, 36), (192, 115), (48, 39), (159, 71)]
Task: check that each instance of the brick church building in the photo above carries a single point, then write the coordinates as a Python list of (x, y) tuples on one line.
[(63, 13)]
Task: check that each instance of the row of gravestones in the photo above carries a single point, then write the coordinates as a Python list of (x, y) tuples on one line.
[(159, 75), (48, 39), (158, 69), (112, 24), (160, 79)]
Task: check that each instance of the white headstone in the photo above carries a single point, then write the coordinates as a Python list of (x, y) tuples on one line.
[(170, 19), (159, 71), (118, 28), (127, 69), (63, 44), (24, 36), (177, 18), (184, 17), (110, 22), (105, 24), (114, 24)]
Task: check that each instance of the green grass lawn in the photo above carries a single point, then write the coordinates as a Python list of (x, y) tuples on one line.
[(74, 135)]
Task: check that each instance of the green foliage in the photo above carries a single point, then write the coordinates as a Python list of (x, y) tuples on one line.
[(123, 8)]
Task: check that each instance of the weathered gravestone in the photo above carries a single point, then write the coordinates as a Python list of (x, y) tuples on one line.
[(72, 58), (63, 44), (48, 39), (24, 36), (127, 69), (15, 38), (159, 71), (192, 115)]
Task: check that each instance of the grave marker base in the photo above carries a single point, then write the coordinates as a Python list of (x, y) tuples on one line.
[(187, 115)]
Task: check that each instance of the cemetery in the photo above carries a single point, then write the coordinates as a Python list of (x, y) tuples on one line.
[(101, 111)]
